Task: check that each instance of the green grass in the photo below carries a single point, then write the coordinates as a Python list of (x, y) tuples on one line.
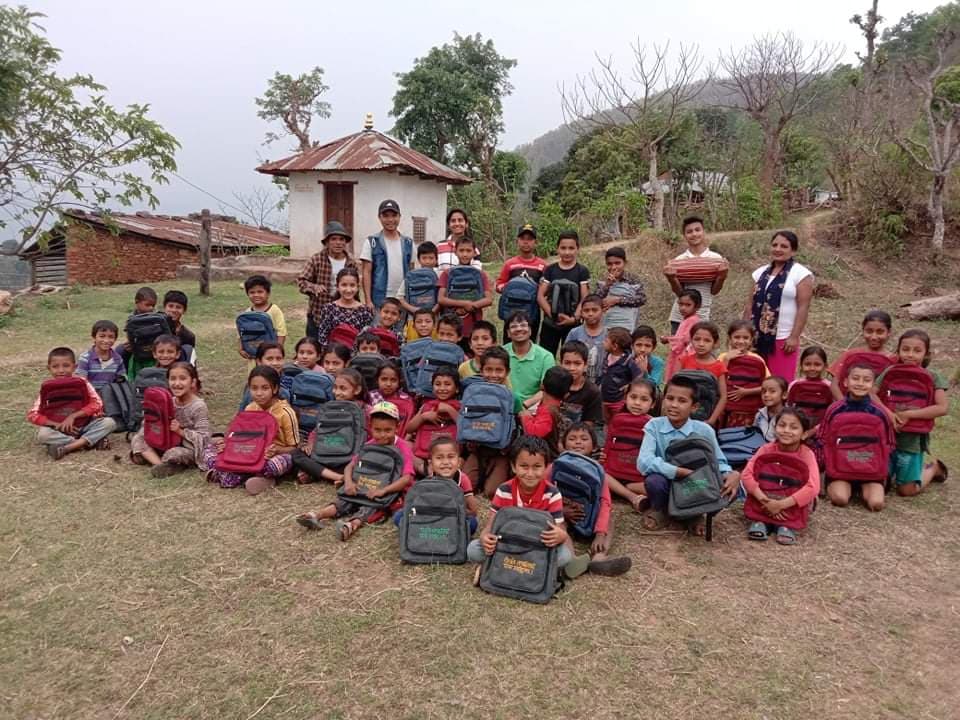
[(103, 565)]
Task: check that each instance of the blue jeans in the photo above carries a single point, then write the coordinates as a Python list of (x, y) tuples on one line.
[(658, 491), (476, 554), (471, 521)]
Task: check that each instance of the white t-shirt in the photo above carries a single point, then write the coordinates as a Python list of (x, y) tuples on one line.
[(703, 288), (336, 266), (447, 256), (788, 300), (395, 269)]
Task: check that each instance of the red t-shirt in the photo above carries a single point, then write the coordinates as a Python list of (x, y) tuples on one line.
[(715, 367), (516, 266)]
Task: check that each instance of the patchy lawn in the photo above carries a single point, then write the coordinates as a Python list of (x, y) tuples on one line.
[(125, 596)]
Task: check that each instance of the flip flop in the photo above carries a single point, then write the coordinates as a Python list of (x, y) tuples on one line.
[(786, 536), (757, 531), (611, 567), (310, 521), (642, 504), (345, 529), (654, 520)]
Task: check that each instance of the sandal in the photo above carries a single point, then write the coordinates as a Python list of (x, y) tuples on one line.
[(345, 529), (641, 504), (697, 527), (757, 531), (310, 521), (940, 476), (55, 451), (786, 536), (654, 520)]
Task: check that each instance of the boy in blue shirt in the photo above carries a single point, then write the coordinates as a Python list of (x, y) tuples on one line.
[(679, 402)]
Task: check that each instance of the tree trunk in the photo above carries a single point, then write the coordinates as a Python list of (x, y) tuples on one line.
[(942, 306), (768, 167), (657, 210), (936, 212)]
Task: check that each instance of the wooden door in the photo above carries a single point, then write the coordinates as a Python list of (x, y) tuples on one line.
[(338, 204)]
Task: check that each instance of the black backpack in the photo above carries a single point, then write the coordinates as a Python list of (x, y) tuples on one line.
[(564, 296), (377, 466), (522, 566), (434, 526), (698, 493), (146, 378), (143, 329), (707, 394), (368, 365), (118, 403), (340, 432)]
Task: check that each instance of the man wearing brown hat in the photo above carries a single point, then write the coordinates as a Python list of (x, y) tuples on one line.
[(318, 278)]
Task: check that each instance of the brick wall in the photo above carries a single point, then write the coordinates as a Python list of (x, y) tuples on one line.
[(97, 257)]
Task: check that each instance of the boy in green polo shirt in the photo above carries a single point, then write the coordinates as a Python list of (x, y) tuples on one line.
[(528, 361)]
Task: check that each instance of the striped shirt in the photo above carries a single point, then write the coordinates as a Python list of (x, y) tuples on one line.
[(97, 371), (551, 501)]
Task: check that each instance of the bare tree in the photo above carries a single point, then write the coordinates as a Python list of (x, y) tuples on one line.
[(260, 206), (649, 103), (938, 151), (774, 79)]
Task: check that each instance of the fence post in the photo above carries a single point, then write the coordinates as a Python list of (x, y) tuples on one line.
[(204, 248)]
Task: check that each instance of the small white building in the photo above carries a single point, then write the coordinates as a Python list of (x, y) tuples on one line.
[(347, 179)]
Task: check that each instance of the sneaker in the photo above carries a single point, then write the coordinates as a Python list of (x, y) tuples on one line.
[(577, 567), (166, 469), (611, 567), (257, 484)]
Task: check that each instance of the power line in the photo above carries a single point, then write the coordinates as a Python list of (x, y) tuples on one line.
[(210, 194)]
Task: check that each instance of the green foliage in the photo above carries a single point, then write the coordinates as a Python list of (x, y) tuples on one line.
[(493, 221), (947, 86), (550, 221), (272, 251), (450, 105), (912, 37), (885, 233), (803, 160), (548, 181), (61, 143), (510, 171), (293, 102), (743, 208)]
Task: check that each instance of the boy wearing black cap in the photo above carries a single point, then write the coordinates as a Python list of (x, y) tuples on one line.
[(385, 257), (524, 264)]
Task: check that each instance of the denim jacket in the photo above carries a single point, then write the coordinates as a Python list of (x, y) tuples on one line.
[(378, 265)]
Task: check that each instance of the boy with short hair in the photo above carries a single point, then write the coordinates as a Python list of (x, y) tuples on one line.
[(258, 289), (390, 317), (481, 339), (644, 343), (529, 457), (470, 311), (679, 403), (424, 325), (101, 364), (582, 403), (426, 258), (445, 463), (367, 342), (489, 466), (175, 306), (593, 334), (546, 421), (84, 428), (622, 291), (449, 328), (697, 247), (524, 264), (145, 301), (385, 257)]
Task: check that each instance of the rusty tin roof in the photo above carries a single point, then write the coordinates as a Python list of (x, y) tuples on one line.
[(366, 150)]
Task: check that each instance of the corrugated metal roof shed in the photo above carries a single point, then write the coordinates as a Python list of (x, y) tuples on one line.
[(186, 230), (367, 150)]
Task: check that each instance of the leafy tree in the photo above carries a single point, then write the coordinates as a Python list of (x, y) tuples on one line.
[(293, 102), (510, 171), (61, 144), (450, 105), (548, 181)]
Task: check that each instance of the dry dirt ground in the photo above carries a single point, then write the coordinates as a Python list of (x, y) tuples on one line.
[(125, 596)]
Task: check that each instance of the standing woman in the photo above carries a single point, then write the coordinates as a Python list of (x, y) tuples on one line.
[(458, 226), (780, 304)]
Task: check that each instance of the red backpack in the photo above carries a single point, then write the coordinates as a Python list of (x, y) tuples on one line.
[(344, 334), (249, 435), (624, 436), (909, 387), (389, 343), (779, 475), (856, 445), (158, 411), (62, 397), (428, 432), (745, 371), (878, 362), (811, 397)]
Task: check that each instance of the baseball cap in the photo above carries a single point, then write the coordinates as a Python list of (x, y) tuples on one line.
[(527, 229), (390, 205), (385, 408)]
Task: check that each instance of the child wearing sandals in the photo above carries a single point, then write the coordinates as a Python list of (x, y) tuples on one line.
[(264, 385), (679, 403), (384, 419), (790, 427), (640, 398), (191, 422)]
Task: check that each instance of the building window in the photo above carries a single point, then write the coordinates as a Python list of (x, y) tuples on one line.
[(419, 229)]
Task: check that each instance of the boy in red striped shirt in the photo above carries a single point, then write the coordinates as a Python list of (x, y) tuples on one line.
[(529, 457)]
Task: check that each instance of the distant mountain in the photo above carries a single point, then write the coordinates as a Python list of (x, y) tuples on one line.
[(552, 146)]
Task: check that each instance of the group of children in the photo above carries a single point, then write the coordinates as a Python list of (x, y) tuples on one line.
[(368, 406)]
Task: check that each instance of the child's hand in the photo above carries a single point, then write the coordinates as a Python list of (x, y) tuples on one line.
[(664, 339), (643, 362), (600, 544), (175, 427), (218, 443), (670, 270), (572, 511), (244, 354), (445, 409), (554, 535), (565, 319), (431, 416), (603, 456), (608, 302), (350, 488), (271, 452), (900, 419), (69, 424), (338, 480), (375, 493), (731, 485), (683, 472), (736, 394), (488, 541)]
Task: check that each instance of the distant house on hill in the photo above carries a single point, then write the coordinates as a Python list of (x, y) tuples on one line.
[(346, 180), (97, 250)]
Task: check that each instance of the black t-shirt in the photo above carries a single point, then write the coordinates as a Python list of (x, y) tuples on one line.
[(583, 405), (578, 273)]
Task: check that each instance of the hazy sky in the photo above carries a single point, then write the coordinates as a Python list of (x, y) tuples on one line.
[(199, 64)]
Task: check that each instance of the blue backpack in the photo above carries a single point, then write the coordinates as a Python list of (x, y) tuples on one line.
[(421, 289), (739, 444), (310, 390), (410, 355), (247, 397), (464, 282), (255, 328), (486, 415), (520, 293), (580, 479), (436, 355), (290, 371)]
